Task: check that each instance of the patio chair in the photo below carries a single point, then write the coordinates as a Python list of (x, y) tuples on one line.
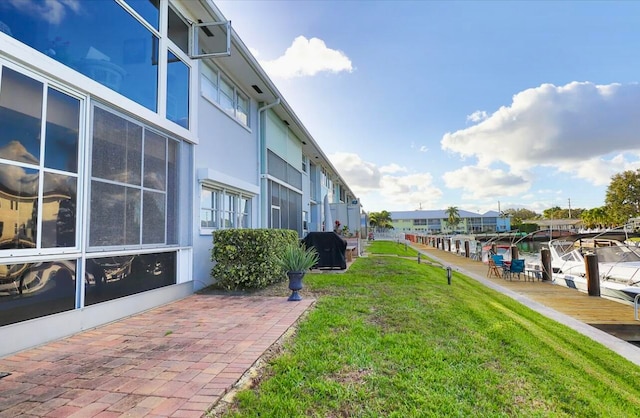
[(495, 265), (516, 267)]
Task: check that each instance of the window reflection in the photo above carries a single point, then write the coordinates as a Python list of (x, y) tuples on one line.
[(148, 9), (61, 144), (177, 91), (33, 290), (113, 277), (97, 38), (21, 104), (20, 117), (59, 211), (18, 206)]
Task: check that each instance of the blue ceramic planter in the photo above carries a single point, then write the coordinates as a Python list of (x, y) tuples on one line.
[(295, 284)]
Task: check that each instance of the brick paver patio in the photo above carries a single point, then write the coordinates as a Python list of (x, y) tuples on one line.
[(176, 360)]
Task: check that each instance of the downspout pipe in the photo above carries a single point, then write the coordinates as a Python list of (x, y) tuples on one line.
[(262, 166)]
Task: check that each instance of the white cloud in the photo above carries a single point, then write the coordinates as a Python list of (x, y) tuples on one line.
[(421, 148), (307, 57), (368, 182), (361, 176), (411, 190), (481, 183), (599, 171), (52, 11), (477, 116), (392, 168), (559, 126)]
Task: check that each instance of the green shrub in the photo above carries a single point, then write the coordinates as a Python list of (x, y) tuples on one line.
[(298, 258), (248, 258)]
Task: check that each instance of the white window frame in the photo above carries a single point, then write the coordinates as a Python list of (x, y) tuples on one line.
[(47, 84), (221, 210)]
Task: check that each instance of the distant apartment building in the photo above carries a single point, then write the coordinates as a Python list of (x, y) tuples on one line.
[(436, 222), (130, 131)]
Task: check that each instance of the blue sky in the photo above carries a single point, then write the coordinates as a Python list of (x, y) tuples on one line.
[(427, 104)]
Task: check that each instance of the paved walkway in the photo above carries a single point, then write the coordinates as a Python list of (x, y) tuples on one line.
[(173, 361)]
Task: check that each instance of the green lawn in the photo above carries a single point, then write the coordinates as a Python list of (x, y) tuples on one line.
[(390, 338), (392, 248)]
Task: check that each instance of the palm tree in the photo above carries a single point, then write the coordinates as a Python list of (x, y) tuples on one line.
[(453, 217), (380, 220)]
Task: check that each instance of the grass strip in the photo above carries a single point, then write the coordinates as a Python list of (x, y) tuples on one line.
[(390, 338)]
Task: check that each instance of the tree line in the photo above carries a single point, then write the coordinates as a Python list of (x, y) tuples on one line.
[(622, 201)]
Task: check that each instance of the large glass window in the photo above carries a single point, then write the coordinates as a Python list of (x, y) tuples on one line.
[(222, 209), (30, 218), (133, 183), (100, 39)]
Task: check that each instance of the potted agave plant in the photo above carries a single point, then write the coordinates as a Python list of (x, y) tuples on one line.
[(296, 260)]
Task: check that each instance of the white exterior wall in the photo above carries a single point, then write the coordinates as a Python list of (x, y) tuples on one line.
[(227, 155)]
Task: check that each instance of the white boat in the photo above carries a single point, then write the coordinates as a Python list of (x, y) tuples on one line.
[(618, 265)]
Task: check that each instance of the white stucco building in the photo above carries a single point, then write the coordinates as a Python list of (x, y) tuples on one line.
[(130, 131)]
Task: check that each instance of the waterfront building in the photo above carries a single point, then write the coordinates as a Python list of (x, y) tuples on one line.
[(427, 222), (130, 131)]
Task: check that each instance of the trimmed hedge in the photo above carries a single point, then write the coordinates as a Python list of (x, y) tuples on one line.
[(248, 258)]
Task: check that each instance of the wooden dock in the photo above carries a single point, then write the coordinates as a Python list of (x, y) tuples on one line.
[(616, 318)]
